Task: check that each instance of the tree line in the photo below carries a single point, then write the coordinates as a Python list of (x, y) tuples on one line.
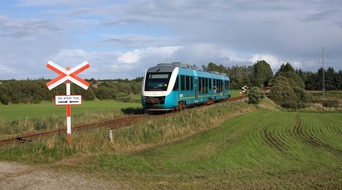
[(35, 91), (260, 74), (314, 80), (287, 84)]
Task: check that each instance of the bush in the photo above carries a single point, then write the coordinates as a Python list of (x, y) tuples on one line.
[(255, 95), (4, 99)]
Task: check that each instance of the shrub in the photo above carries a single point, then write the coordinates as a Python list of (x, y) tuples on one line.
[(330, 103), (255, 95), (4, 99)]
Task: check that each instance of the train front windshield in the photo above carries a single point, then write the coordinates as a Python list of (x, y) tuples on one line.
[(157, 81)]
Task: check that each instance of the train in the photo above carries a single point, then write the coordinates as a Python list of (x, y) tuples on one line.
[(175, 86)]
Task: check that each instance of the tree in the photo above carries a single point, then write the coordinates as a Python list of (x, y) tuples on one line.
[(239, 76), (213, 67), (288, 88), (286, 68), (330, 79), (262, 74)]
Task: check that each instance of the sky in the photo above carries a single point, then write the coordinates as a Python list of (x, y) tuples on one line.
[(121, 39)]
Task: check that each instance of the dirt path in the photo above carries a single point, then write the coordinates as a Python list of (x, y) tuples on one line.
[(19, 176)]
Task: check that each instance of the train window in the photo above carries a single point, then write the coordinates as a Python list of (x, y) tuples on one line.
[(210, 85), (221, 85), (187, 82), (191, 80), (157, 81), (227, 85), (182, 82), (200, 84), (205, 85), (176, 84)]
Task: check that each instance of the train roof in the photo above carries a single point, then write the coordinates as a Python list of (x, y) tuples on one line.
[(168, 67)]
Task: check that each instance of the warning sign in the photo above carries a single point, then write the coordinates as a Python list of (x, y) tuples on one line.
[(68, 100)]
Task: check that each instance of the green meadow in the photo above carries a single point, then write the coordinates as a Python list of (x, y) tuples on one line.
[(47, 109), (18, 119), (263, 150), (232, 145)]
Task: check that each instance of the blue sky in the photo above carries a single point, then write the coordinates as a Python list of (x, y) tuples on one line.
[(120, 39)]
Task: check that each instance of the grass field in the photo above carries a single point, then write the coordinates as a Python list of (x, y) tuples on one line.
[(27, 118), (256, 149), (263, 150), (47, 109)]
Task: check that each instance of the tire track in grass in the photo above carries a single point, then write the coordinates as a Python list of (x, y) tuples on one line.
[(331, 127), (309, 139), (334, 129), (282, 124), (272, 135)]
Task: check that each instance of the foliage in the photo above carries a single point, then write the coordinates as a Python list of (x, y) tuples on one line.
[(4, 99), (288, 89), (35, 91), (257, 75), (262, 74), (286, 67), (255, 95), (314, 80), (239, 75)]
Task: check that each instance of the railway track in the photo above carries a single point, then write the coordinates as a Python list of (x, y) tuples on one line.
[(110, 124)]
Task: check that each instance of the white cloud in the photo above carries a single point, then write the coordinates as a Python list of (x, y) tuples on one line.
[(130, 57), (274, 61), (270, 59), (7, 70), (126, 37), (135, 56)]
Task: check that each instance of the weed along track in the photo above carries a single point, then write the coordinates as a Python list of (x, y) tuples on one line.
[(110, 124)]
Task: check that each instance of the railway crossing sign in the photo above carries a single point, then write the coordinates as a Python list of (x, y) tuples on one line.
[(65, 75), (68, 75)]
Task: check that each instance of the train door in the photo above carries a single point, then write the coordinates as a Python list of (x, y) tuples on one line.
[(196, 89)]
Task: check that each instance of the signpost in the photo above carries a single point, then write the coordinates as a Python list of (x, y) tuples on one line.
[(68, 100), (68, 75)]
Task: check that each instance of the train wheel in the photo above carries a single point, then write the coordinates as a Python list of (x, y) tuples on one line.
[(210, 101), (180, 107)]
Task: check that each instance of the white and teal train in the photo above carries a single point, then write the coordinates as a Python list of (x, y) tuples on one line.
[(173, 86)]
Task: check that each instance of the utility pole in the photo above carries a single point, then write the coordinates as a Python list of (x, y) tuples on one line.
[(323, 84)]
